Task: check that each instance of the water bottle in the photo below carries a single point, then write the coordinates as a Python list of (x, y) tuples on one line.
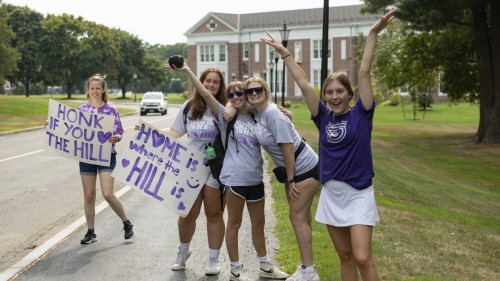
[(209, 151)]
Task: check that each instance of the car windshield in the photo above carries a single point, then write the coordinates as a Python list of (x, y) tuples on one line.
[(153, 97)]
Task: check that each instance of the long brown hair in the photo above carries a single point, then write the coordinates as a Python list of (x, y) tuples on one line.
[(98, 78), (198, 104)]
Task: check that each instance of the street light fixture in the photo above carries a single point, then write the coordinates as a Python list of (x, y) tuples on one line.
[(271, 70), (284, 33), (135, 94)]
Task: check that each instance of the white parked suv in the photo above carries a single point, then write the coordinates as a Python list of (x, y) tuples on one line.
[(154, 102)]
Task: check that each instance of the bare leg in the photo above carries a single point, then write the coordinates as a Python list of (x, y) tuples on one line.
[(300, 217), (341, 238), (258, 220), (107, 189), (361, 237), (89, 195), (215, 220), (235, 205), (187, 225)]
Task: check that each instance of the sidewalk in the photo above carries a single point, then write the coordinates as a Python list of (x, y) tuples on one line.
[(149, 255)]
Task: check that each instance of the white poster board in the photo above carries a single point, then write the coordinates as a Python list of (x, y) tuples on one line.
[(163, 168), (79, 135)]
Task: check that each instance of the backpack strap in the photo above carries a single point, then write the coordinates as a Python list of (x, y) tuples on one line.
[(185, 111), (230, 127), (301, 147)]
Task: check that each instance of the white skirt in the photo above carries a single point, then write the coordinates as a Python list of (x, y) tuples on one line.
[(342, 205)]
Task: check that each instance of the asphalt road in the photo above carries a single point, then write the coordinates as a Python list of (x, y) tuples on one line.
[(41, 214)]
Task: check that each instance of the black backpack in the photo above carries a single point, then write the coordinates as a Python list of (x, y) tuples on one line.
[(217, 162)]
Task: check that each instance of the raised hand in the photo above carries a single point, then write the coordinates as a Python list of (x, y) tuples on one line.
[(383, 22)]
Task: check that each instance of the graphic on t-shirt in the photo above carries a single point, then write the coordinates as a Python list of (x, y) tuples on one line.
[(336, 132), (245, 132), (202, 129)]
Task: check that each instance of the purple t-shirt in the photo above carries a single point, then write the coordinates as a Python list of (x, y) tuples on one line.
[(109, 110), (344, 145)]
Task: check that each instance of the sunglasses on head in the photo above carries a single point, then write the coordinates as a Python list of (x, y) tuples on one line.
[(238, 93), (257, 90)]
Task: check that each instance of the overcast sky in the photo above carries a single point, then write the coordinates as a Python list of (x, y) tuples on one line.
[(161, 21)]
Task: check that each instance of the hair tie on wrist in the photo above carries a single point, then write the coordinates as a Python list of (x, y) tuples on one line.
[(287, 56)]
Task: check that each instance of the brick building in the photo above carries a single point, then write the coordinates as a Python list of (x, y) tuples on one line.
[(231, 42)]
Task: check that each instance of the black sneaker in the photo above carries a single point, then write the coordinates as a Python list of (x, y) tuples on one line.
[(89, 237), (129, 229)]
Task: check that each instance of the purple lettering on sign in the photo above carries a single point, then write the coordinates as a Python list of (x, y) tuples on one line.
[(158, 139), (103, 137), (181, 206)]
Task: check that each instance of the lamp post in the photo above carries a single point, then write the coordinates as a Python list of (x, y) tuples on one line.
[(284, 33), (264, 73), (276, 58), (271, 69), (135, 94)]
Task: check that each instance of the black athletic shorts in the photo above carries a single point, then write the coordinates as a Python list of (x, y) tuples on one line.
[(313, 173), (251, 193)]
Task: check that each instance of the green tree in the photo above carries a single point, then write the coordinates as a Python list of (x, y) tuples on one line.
[(8, 54), (406, 57), (129, 59), (27, 25), (63, 51), (154, 73), (482, 19)]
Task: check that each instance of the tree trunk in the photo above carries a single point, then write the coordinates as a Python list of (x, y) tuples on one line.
[(26, 84), (489, 117)]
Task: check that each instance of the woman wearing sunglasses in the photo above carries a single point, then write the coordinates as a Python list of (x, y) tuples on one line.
[(299, 163), (242, 176), (347, 202)]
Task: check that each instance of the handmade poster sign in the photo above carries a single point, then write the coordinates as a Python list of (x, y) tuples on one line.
[(79, 135), (163, 168)]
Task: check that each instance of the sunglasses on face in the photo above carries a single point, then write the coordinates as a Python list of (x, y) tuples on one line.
[(257, 90), (238, 93)]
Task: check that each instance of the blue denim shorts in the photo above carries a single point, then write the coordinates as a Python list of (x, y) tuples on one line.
[(92, 169)]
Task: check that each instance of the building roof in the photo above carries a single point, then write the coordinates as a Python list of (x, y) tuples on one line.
[(294, 18)]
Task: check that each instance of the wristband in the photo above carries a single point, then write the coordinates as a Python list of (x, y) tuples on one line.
[(289, 181)]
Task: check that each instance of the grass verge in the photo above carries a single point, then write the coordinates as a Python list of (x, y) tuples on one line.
[(438, 196)]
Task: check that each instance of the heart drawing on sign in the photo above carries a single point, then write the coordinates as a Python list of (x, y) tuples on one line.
[(158, 139), (103, 137), (125, 163), (181, 206)]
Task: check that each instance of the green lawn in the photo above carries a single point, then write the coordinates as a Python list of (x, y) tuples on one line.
[(438, 194)]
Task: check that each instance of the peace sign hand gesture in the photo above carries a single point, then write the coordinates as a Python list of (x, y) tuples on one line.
[(383, 22)]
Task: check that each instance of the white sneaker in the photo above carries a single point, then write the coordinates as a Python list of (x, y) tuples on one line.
[(310, 274), (307, 274), (267, 270), (180, 262), (213, 267), (237, 274), (298, 275)]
